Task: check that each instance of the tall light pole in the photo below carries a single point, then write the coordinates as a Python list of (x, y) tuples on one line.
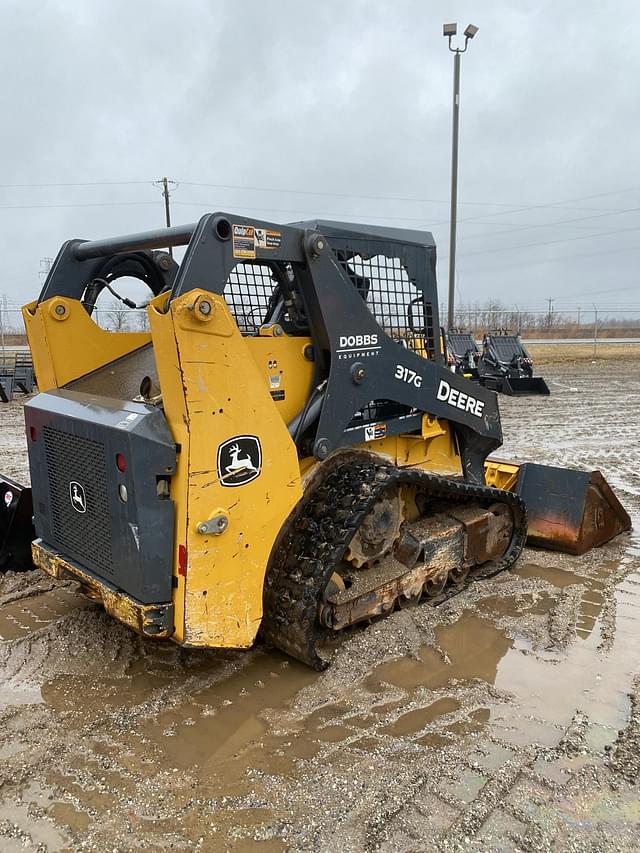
[(449, 31)]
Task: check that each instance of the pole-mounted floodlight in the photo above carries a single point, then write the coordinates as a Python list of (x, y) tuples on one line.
[(449, 31)]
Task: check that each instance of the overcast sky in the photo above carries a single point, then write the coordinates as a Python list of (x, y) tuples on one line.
[(288, 109)]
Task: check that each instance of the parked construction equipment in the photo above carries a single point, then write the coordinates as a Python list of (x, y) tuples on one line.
[(463, 349), (16, 374), (506, 366), (284, 450)]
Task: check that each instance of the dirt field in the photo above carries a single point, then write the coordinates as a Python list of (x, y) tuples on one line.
[(507, 719), (543, 354)]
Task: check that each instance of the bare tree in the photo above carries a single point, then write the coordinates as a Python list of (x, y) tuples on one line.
[(117, 319), (141, 321)]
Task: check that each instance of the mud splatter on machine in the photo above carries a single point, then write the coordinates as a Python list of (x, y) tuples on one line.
[(285, 450)]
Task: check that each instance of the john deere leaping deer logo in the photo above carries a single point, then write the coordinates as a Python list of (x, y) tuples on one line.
[(239, 460), (77, 496)]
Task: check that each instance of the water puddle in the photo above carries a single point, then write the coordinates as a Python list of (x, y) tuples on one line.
[(224, 719), (472, 647), (587, 677), (527, 604), (551, 574), (28, 614), (414, 721), (592, 598), (590, 675), (44, 835)]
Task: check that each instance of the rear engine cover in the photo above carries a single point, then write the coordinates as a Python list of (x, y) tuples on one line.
[(95, 466)]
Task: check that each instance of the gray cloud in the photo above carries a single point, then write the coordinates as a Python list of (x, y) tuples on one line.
[(342, 100)]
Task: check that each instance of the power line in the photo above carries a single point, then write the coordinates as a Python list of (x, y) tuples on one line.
[(410, 199), (561, 258), (75, 184), (551, 204), (79, 204), (514, 206), (550, 242), (549, 224)]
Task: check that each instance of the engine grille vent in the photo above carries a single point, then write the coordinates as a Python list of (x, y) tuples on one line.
[(80, 518)]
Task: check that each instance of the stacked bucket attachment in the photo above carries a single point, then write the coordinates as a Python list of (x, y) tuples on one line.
[(567, 510), (16, 525), (516, 386), (16, 374), (505, 366), (465, 353)]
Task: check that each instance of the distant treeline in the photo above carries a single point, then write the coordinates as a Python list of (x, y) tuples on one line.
[(578, 323)]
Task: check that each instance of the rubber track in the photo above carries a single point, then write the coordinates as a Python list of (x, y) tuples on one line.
[(317, 533)]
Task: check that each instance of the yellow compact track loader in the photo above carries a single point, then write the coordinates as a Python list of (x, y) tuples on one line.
[(284, 451)]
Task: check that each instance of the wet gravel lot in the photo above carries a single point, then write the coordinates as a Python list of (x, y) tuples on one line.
[(507, 719)]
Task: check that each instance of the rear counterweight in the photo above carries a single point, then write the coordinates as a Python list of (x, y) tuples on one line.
[(96, 465)]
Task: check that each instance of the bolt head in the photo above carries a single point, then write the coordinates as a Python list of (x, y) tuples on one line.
[(60, 310), (202, 528), (358, 373), (322, 448), (204, 307), (315, 244)]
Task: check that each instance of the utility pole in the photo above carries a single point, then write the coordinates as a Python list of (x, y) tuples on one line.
[(579, 309), (164, 183), (448, 31), (4, 300), (550, 301), (595, 330)]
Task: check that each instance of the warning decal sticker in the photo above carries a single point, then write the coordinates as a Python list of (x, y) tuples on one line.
[(244, 245), (266, 239), (374, 432)]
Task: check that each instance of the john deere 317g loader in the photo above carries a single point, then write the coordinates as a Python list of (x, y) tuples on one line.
[(285, 450)]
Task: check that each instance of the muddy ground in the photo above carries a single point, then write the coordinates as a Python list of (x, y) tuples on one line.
[(506, 719)]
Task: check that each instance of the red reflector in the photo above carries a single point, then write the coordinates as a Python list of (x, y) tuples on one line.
[(33, 432), (121, 462), (182, 560)]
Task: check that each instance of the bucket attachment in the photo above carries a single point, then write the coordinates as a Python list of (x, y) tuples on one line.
[(16, 526), (567, 510), (514, 386)]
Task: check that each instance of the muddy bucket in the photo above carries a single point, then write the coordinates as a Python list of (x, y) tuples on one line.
[(16, 525), (568, 510)]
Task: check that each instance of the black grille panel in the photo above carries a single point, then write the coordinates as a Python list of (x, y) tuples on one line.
[(394, 300), (87, 535), (248, 294)]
